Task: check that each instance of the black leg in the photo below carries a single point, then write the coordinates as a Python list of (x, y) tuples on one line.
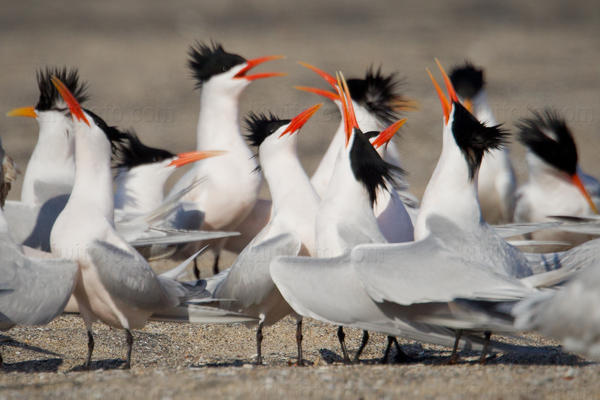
[(363, 344), (196, 270), (259, 338), (454, 356), (401, 356), (342, 337), (216, 264), (129, 348), (1, 361), (88, 362), (386, 353), (486, 346), (299, 341)]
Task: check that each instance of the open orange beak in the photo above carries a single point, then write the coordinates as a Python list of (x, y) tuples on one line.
[(328, 78), (193, 156), (68, 97), (388, 133), (446, 104), (321, 92), (255, 62), (577, 182), (22, 112), (299, 120), (348, 109)]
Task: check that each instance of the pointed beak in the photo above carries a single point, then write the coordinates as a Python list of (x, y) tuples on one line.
[(71, 101), (347, 107), (330, 79), (193, 156), (255, 62), (446, 104), (387, 134), (321, 92), (577, 182), (22, 112), (299, 120), (404, 105)]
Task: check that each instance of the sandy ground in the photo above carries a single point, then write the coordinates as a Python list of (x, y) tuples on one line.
[(133, 56)]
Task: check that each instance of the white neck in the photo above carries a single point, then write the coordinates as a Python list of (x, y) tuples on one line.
[(92, 190), (295, 202), (345, 208), (450, 192), (52, 159), (140, 190)]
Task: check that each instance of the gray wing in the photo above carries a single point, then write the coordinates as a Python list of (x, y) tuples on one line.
[(159, 236), (34, 291), (31, 225), (515, 229), (249, 279), (129, 278), (426, 271), (569, 314)]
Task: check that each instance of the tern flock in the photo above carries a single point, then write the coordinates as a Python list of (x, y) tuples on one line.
[(350, 246)]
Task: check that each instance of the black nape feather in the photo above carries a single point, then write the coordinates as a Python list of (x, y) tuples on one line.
[(379, 94), (548, 136), (475, 138), (113, 134), (467, 80), (369, 168), (49, 95), (131, 152), (260, 126), (205, 61)]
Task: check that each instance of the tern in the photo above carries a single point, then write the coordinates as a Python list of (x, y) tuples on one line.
[(555, 186), (376, 102), (33, 291), (290, 230), (50, 171), (497, 182), (412, 289), (114, 283), (230, 186)]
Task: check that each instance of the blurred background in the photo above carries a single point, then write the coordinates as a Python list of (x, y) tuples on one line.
[(133, 55)]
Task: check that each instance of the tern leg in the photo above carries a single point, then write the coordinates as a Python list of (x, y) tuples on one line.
[(401, 356), (1, 361), (386, 353), (486, 346), (259, 338), (88, 361), (127, 364), (363, 344), (454, 356), (216, 264), (299, 341), (341, 337)]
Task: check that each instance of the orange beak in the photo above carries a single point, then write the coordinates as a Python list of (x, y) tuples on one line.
[(299, 120), (388, 133), (71, 101), (193, 156), (446, 104), (321, 92), (255, 62), (22, 112), (577, 182), (347, 107), (330, 79)]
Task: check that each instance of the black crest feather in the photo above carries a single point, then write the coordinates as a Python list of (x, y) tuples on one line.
[(115, 136), (260, 126), (131, 152), (559, 151), (369, 168), (205, 61), (49, 96), (467, 80), (378, 93), (475, 138)]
